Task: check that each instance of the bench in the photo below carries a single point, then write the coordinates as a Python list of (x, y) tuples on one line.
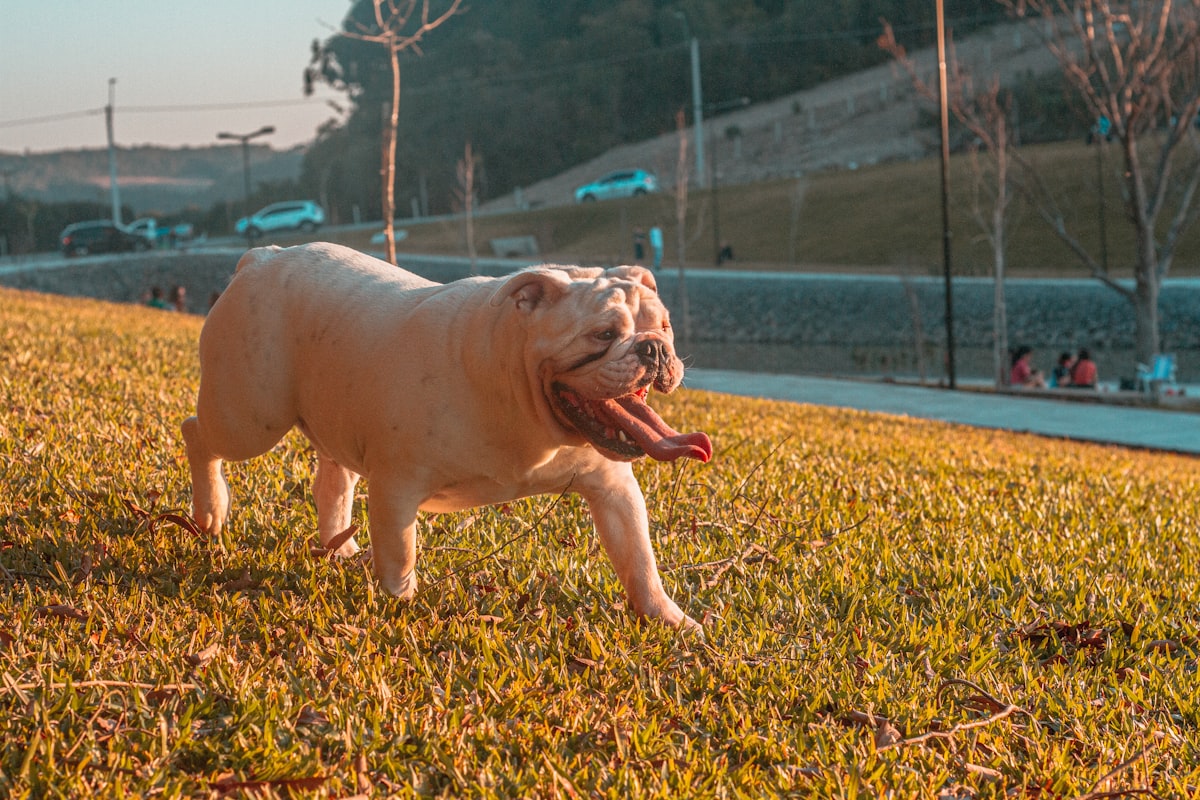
[(515, 246)]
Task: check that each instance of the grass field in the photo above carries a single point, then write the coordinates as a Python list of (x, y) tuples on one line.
[(894, 608), (885, 218)]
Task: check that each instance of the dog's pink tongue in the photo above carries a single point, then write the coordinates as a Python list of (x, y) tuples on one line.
[(660, 441)]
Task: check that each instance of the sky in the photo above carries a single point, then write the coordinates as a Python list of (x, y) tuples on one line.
[(185, 70)]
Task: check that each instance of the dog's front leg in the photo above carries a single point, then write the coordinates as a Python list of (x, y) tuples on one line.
[(619, 513), (392, 516), (333, 489)]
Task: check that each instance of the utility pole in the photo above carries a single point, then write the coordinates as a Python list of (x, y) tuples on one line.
[(114, 191), (945, 113), (245, 138), (698, 104)]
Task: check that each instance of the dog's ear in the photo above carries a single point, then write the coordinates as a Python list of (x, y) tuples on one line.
[(533, 287), (636, 274)]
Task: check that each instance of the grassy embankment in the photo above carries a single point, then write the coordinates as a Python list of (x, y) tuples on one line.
[(894, 607), (878, 219)]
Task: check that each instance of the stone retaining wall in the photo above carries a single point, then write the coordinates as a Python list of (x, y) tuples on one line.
[(767, 321)]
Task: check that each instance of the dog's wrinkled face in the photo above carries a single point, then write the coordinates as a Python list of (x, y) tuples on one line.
[(603, 341)]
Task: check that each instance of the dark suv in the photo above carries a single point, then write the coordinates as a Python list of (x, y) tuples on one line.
[(100, 236)]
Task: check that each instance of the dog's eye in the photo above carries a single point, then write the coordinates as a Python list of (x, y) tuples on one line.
[(607, 335)]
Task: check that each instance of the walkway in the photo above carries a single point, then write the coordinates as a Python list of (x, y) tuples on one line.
[(1154, 429)]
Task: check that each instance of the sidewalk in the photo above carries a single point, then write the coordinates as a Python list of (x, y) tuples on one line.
[(1173, 431)]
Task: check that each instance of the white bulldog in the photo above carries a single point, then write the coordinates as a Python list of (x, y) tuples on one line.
[(444, 397)]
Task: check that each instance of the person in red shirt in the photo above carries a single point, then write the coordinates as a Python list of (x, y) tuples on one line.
[(1083, 373), (1023, 375)]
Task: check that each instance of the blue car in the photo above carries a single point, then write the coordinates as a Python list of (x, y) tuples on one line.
[(623, 183)]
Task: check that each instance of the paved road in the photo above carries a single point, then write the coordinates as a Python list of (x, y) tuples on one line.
[(1174, 431)]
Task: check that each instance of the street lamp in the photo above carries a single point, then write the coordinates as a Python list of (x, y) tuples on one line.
[(245, 138), (113, 189), (697, 98), (944, 105)]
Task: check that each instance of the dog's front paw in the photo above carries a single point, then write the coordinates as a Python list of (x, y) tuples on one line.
[(691, 627), (403, 588), (668, 613)]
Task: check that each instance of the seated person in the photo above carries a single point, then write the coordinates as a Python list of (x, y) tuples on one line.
[(1060, 376), (1023, 375), (1083, 373)]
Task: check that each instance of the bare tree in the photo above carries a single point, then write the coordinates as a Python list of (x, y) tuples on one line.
[(1135, 63), (681, 201), (397, 27), (985, 115), (465, 194)]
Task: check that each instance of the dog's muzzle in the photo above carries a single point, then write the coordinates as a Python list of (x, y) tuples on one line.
[(659, 361), (651, 352)]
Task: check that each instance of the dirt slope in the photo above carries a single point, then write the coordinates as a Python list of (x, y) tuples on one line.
[(861, 119)]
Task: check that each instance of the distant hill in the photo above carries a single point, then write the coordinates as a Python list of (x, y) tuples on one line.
[(153, 180)]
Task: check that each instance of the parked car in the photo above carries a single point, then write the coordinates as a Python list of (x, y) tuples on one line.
[(623, 183), (100, 236), (301, 215), (168, 235)]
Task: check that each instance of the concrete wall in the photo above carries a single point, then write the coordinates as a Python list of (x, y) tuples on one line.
[(767, 321)]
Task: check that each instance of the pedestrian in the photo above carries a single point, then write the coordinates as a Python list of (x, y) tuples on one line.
[(639, 245), (725, 253), (656, 246)]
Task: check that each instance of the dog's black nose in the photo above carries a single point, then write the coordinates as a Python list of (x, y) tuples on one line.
[(650, 351)]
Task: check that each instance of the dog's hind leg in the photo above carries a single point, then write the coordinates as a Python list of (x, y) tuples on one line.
[(210, 493), (333, 489)]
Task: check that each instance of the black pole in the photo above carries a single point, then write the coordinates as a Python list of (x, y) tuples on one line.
[(1101, 211), (716, 210), (945, 113), (246, 186)]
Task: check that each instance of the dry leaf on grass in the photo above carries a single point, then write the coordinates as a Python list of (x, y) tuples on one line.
[(579, 664), (886, 733), (228, 783), (61, 611), (241, 583), (204, 656), (330, 550), (310, 716)]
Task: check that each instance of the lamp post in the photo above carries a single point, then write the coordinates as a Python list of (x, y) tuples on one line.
[(697, 98), (245, 138), (114, 191), (945, 120)]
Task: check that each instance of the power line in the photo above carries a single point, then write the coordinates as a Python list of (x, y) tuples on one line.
[(218, 106), (512, 78), (13, 123)]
